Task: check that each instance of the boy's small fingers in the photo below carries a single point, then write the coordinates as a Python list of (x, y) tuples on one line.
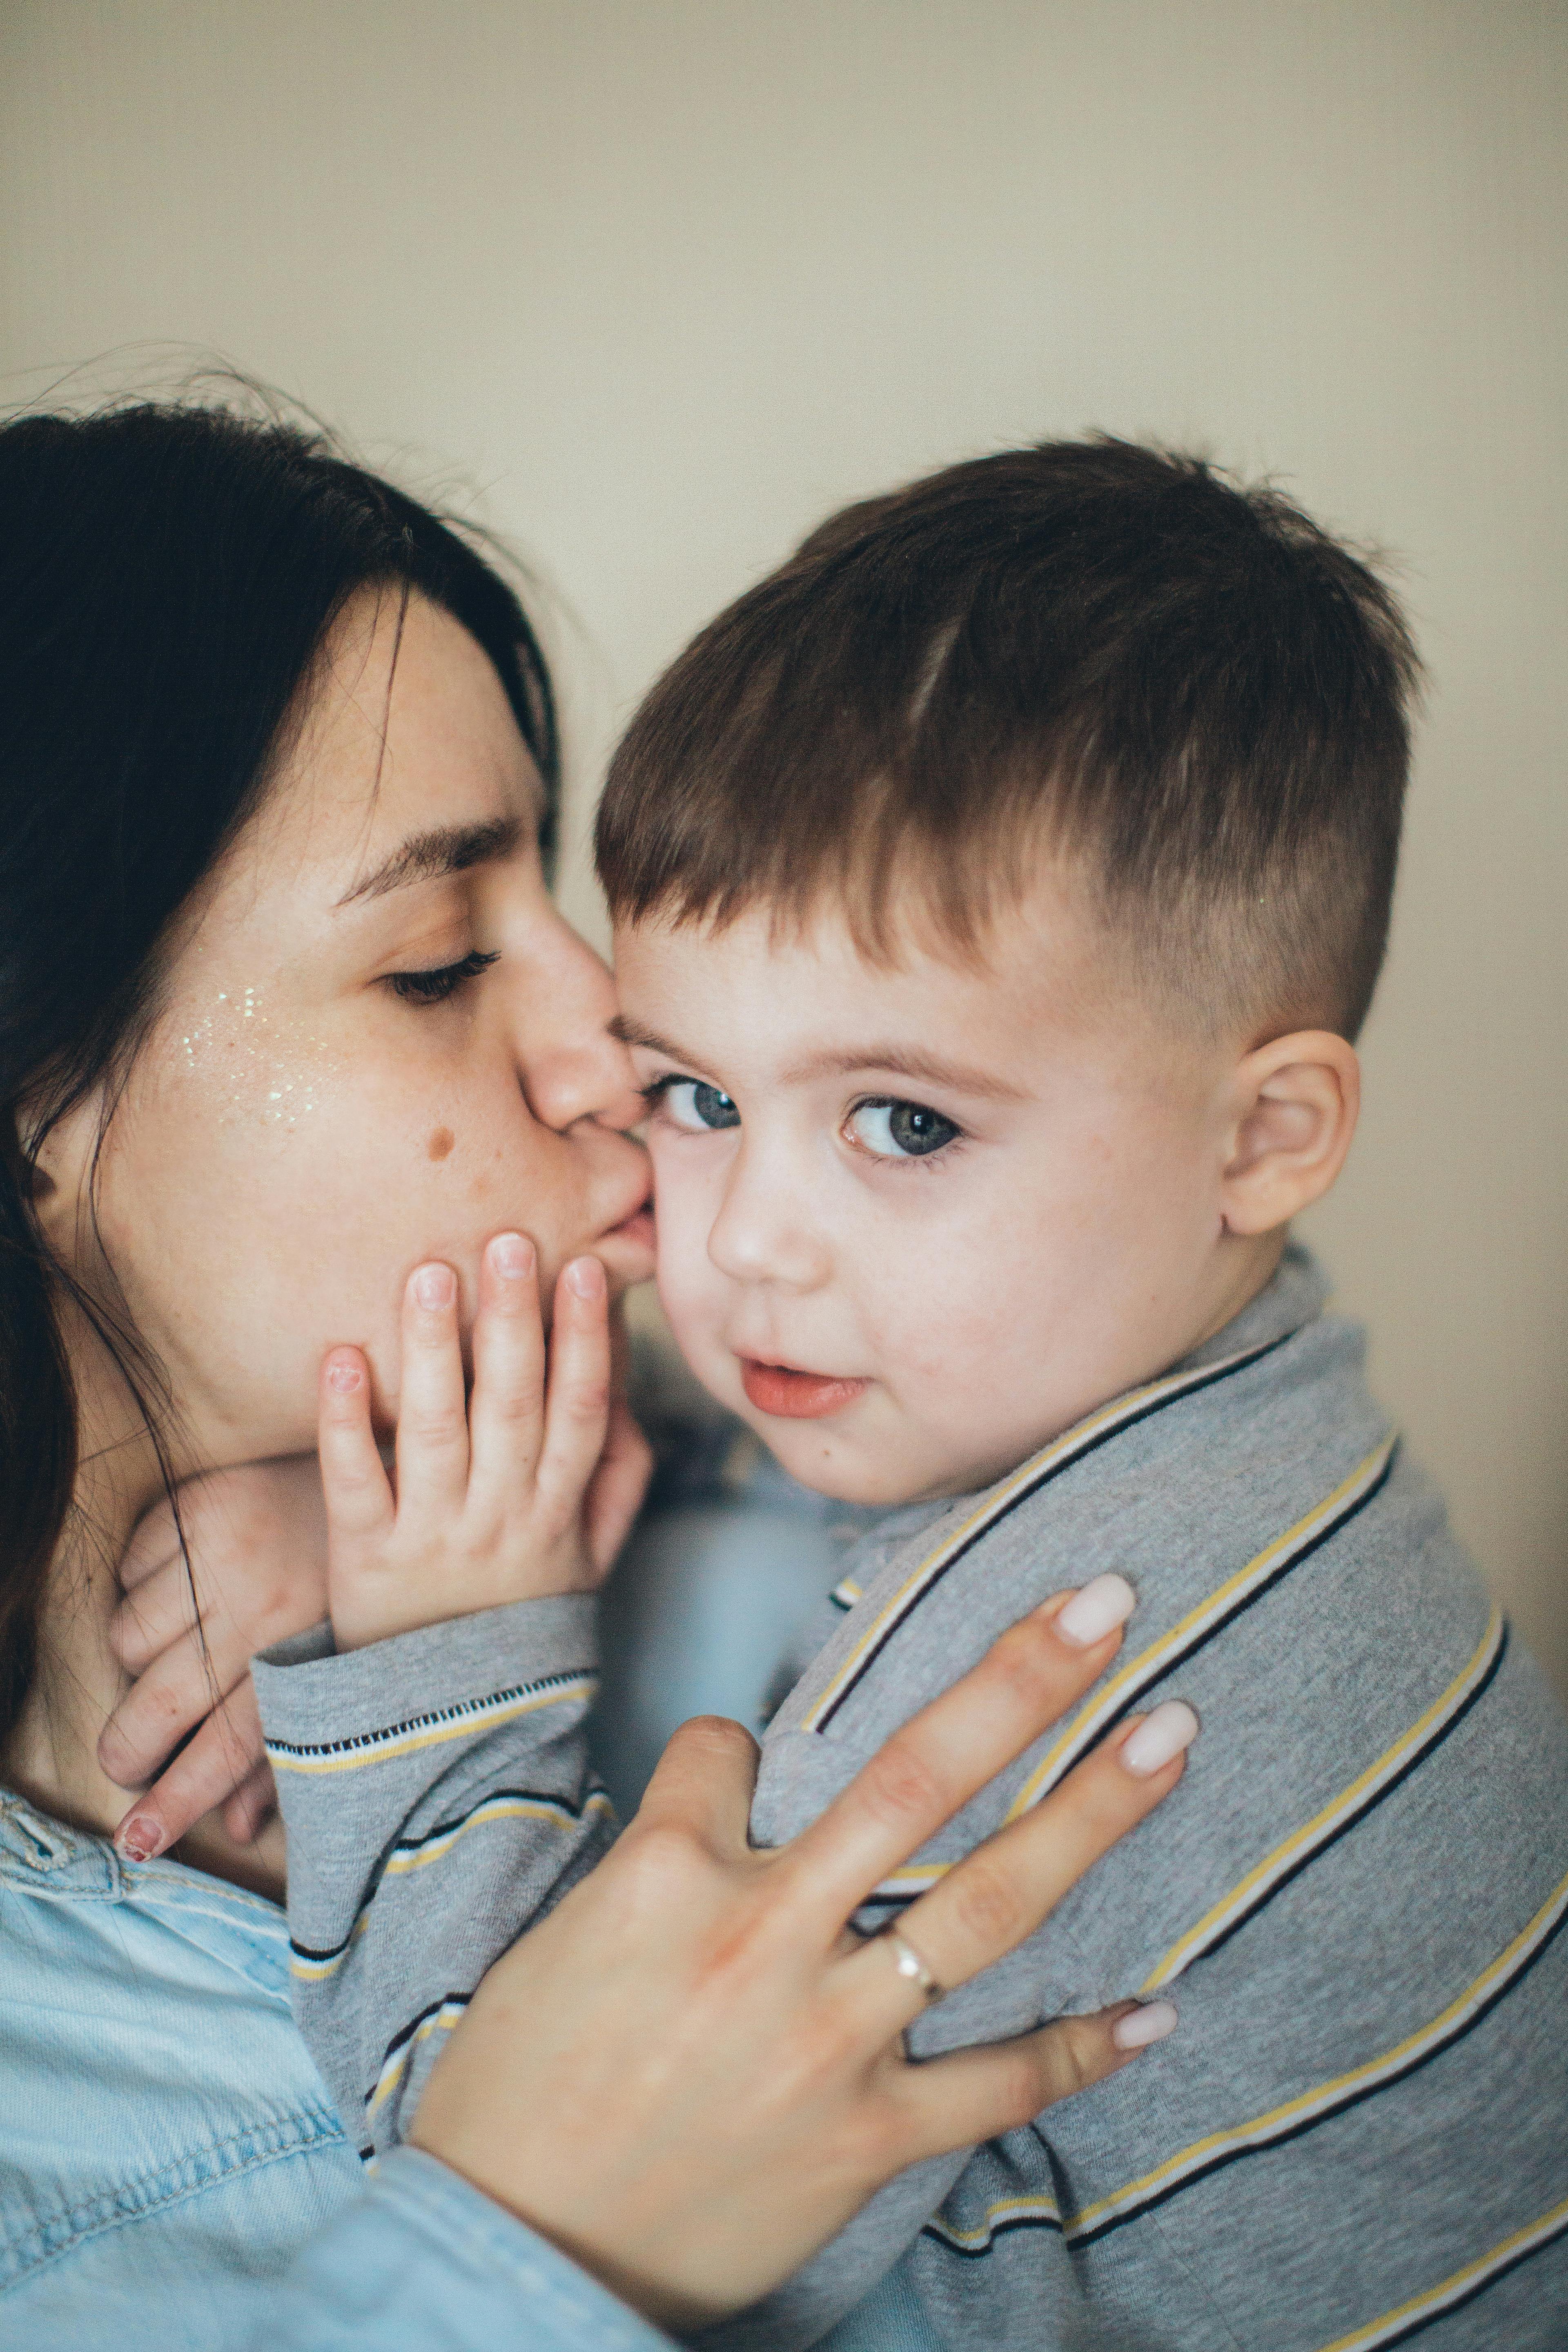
[(215, 1763), (619, 1484), (506, 1412), (432, 1409), (577, 1412), (353, 1481)]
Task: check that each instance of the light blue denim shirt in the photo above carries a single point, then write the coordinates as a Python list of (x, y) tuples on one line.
[(173, 2177)]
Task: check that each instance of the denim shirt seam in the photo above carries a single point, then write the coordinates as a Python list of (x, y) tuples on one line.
[(217, 2163)]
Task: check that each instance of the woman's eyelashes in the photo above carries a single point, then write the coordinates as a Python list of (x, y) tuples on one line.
[(891, 1130), (434, 986), (689, 1104)]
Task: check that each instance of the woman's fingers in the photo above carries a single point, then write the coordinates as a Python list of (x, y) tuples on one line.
[(703, 1785), (159, 1611), (169, 1698), (1001, 1892), (154, 1541), (216, 1763), (354, 1483), (252, 1805), (506, 1412), (953, 2102), (952, 1748), (433, 1410)]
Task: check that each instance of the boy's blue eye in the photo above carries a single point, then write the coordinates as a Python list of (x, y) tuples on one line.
[(900, 1130), (696, 1107)]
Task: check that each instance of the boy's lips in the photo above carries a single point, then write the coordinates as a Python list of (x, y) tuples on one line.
[(780, 1390)]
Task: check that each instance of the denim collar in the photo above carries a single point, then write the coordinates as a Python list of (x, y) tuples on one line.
[(43, 1858)]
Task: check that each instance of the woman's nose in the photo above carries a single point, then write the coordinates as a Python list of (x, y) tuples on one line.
[(764, 1231), (571, 1067)]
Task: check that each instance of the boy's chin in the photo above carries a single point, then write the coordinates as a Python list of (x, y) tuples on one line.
[(840, 1469)]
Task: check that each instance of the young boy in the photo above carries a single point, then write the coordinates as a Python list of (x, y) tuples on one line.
[(999, 888)]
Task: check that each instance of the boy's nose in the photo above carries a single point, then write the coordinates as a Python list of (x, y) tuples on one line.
[(764, 1233)]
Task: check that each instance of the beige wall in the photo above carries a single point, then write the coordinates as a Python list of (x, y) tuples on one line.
[(666, 278)]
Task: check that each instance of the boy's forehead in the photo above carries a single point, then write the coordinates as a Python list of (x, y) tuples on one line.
[(807, 998)]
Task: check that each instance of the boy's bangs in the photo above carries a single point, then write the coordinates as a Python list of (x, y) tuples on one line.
[(1087, 649)]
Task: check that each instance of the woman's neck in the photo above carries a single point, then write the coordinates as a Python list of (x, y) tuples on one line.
[(51, 1757)]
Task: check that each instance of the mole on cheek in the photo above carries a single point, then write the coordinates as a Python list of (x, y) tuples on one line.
[(440, 1143)]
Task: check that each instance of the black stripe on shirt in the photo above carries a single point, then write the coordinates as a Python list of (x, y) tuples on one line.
[(1208, 1377)]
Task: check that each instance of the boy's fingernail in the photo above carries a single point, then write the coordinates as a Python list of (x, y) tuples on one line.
[(139, 1838), (587, 1277), (512, 1254), (343, 1377), (435, 1285), (1159, 1737), (1101, 1605), (1149, 2022)]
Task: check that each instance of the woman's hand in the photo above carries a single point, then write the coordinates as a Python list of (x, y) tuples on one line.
[(256, 1540), (692, 2073), (528, 1487)]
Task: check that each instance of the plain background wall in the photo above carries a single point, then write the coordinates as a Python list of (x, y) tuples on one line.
[(662, 281)]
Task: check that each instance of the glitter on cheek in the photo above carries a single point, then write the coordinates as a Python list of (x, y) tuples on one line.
[(261, 1071)]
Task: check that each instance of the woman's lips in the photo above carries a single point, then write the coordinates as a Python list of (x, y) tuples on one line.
[(796, 1396), (638, 1227)]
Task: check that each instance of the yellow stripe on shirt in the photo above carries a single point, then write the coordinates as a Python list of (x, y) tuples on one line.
[(1248, 1893), (1134, 1406), (1407, 2318), (1163, 1656), (459, 1722)]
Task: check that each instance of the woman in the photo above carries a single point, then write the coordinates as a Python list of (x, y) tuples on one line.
[(285, 1009)]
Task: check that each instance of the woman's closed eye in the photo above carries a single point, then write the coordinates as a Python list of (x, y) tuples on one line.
[(441, 981), (891, 1130), (689, 1104)]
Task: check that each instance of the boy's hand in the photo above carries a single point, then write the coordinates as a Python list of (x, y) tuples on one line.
[(527, 1489), (257, 1537)]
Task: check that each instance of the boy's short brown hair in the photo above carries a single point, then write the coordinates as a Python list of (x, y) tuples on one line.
[(1088, 648)]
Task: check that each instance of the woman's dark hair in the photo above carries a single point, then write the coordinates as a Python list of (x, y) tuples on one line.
[(167, 575)]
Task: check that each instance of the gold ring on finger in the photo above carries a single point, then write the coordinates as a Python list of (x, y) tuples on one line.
[(909, 1963)]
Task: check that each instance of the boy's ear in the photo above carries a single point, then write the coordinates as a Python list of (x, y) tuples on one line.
[(1297, 1100)]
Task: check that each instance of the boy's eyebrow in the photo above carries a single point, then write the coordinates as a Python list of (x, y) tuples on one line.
[(904, 1061), (444, 849)]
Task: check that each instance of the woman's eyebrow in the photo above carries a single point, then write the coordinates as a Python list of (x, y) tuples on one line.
[(444, 849)]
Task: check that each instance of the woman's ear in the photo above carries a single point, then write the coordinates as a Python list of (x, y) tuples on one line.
[(1297, 1101), (56, 1175)]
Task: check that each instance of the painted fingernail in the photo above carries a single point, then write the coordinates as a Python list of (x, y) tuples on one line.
[(1151, 2022), (586, 1277), (435, 1285), (1159, 1737), (1100, 1606), (343, 1377), (140, 1838), (512, 1254)]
